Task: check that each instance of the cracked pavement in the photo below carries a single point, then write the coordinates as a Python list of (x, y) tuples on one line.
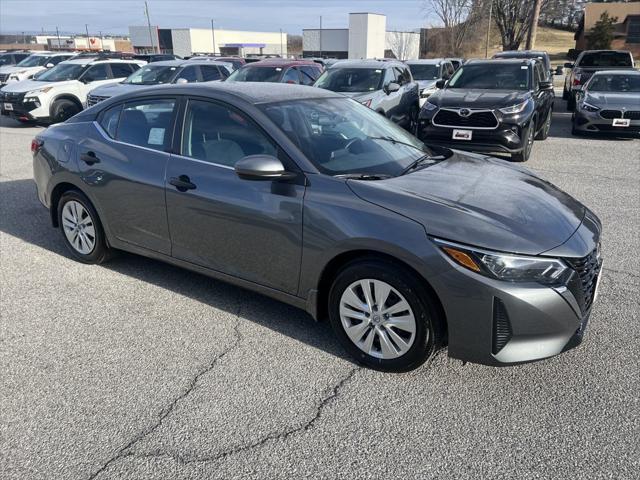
[(140, 370)]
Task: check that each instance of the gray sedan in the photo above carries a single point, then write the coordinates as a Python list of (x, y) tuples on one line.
[(309, 197), (609, 103)]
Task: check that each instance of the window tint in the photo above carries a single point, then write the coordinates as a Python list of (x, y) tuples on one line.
[(291, 76), (96, 72), (389, 76), (57, 60), (109, 120), (210, 73), (147, 123), (190, 74), (120, 70), (309, 75), (605, 59), (217, 134)]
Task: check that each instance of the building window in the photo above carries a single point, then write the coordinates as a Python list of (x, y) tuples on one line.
[(633, 30)]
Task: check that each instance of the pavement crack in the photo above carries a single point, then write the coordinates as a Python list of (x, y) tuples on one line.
[(125, 450), (330, 397)]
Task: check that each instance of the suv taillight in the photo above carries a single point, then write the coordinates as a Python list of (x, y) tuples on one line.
[(36, 143)]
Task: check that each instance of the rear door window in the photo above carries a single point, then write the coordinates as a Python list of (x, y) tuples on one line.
[(291, 76), (210, 73), (121, 70), (96, 72), (147, 123), (109, 120), (190, 74)]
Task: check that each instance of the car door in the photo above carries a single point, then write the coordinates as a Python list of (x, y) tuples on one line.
[(123, 159), (396, 109), (543, 97), (248, 229)]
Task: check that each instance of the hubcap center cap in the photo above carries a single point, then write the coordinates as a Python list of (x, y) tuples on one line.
[(376, 319)]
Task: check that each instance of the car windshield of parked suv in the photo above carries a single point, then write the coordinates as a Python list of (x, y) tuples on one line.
[(491, 76), (351, 79), (605, 59), (342, 137), (425, 71), (257, 74), (62, 72), (5, 59), (614, 83), (152, 75), (33, 61)]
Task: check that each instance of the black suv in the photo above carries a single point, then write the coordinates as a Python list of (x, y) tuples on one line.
[(493, 106)]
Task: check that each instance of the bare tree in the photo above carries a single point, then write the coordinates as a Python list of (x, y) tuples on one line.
[(459, 17), (513, 19)]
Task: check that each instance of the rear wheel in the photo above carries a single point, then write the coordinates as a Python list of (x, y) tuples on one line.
[(383, 316), (81, 228), (63, 109)]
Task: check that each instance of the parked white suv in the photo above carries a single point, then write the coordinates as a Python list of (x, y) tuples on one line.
[(61, 92), (31, 65)]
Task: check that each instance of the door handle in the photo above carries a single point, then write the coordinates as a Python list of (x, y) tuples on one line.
[(182, 183), (89, 158)]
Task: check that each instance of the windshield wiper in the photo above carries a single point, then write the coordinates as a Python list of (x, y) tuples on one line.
[(394, 141), (417, 163), (363, 176)]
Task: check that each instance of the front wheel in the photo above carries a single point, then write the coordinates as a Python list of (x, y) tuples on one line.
[(62, 110), (383, 316), (527, 146), (571, 103), (544, 131), (413, 120)]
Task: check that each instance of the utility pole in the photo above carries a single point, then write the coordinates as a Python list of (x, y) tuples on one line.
[(146, 12), (58, 35), (533, 26), (486, 47), (320, 36), (101, 41), (213, 36), (23, 39)]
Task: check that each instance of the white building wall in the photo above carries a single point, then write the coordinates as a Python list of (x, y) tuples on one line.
[(367, 35), (404, 45), (140, 36), (181, 39), (333, 40), (187, 41)]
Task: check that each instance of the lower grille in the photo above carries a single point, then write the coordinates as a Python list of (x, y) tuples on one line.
[(502, 331), (610, 114), (475, 119), (632, 114), (3, 77), (94, 99), (588, 270)]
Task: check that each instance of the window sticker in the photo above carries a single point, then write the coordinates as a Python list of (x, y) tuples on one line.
[(156, 136)]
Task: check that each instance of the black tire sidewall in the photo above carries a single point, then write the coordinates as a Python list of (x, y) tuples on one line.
[(57, 106), (100, 251), (428, 330)]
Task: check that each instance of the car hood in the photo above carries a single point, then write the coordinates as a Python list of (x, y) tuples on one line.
[(629, 99), (115, 89), (480, 201), (426, 83), (13, 68), (28, 85), (491, 99)]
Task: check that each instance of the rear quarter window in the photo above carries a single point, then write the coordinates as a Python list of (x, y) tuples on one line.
[(109, 120)]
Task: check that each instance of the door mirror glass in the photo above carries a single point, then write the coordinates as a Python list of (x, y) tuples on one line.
[(392, 87), (261, 167), (440, 83)]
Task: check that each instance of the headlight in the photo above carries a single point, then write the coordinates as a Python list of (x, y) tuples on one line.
[(588, 107), (507, 267), (514, 108), (35, 93), (429, 106)]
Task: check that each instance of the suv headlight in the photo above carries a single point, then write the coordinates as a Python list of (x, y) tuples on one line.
[(588, 107), (35, 93), (506, 266), (514, 108), (429, 106)]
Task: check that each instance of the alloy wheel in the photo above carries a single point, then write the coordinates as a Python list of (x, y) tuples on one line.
[(78, 227), (377, 319)]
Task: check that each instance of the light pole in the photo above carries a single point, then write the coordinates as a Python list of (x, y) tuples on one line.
[(86, 28), (213, 37), (58, 35), (320, 36)]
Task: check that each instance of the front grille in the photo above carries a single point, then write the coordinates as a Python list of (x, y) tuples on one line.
[(502, 331), (632, 114), (94, 99), (588, 269), (13, 97), (610, 114), (477, 119), (3, 77)]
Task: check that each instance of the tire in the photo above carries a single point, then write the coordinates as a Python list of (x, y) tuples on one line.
[(413, 120), (63, 109), (87, 244), (571, 103), (403, 285), (524, 155), (565, 94), (543, 133), (574, 131)]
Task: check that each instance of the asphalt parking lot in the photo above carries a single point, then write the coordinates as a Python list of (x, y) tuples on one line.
[(136, 369)]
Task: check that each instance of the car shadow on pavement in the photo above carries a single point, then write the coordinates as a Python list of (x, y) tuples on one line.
[(23, 217)]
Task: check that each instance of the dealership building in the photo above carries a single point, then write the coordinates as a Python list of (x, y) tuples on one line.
[(366, 37), (187, 41)]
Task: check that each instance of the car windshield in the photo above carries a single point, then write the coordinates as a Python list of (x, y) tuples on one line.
[(256, 74), (341, 137), (424, 71), (5, 59), (152, 75), (33, 61), (491, 76), (351, 79), (605, 59), (614, 83), (62, 72)]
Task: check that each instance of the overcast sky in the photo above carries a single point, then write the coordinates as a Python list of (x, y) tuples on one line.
[(114, 16)]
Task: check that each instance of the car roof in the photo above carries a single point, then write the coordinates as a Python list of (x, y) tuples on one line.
[(522, 53), (617, 72), (369, 63), (88, 60), (280, 62), (501, 61), (426, 61)]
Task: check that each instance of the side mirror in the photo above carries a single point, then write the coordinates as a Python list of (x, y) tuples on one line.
[(546, 85), (181, 81), (441, 83), (568, 65), (446, 76), (559, 70), (49, 65), (392, 87), (262, 167)]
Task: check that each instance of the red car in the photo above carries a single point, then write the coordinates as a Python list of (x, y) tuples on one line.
[(278, 70)]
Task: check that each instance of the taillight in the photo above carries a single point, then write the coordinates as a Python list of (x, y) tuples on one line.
[(36, 143), (576, 78)]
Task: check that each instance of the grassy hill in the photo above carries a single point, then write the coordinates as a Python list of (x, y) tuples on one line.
[(556, 42)]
